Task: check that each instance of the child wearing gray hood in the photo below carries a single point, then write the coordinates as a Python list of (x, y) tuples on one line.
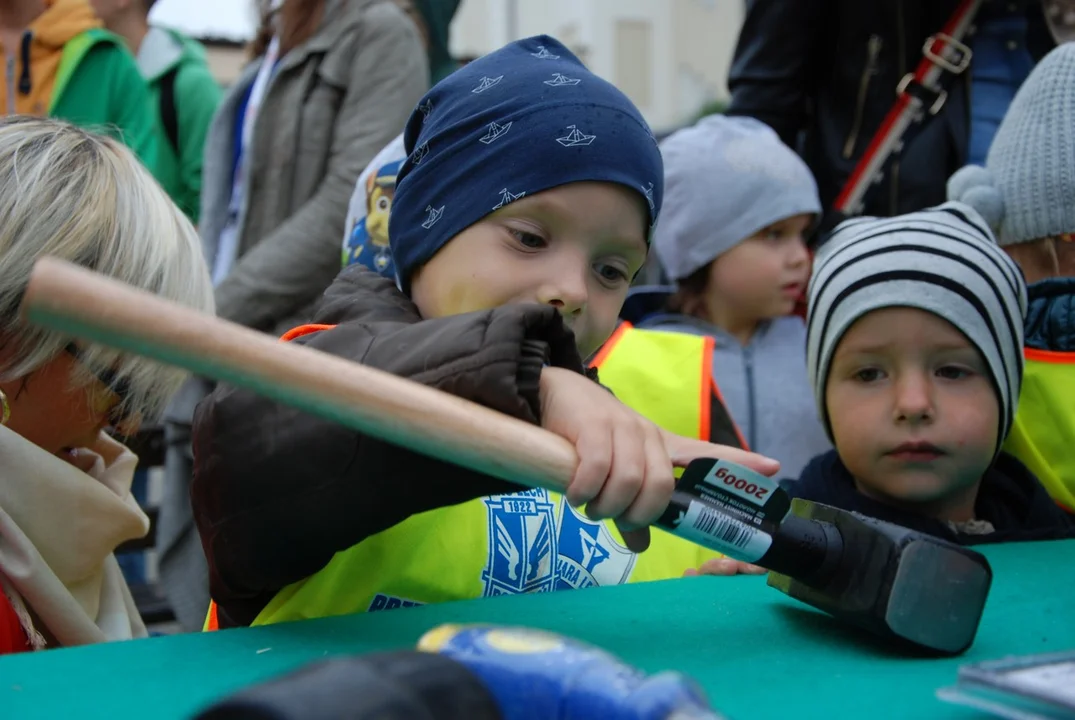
[(738, 203)]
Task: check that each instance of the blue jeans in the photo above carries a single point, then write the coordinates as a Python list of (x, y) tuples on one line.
[(1000, 64)]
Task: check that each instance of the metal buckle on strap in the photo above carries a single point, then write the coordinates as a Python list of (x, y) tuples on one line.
[(923, 94), (963, 53)]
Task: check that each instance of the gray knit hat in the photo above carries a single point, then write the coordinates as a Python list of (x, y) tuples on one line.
[(942, 260), (725, 179), (1026, 191)]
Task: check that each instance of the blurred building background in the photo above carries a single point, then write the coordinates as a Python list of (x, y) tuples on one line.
[(670, 57)]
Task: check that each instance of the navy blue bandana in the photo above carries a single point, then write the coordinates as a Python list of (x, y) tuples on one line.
[(526, 118)]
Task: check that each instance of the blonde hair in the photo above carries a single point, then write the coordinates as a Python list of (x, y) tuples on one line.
[(85, 198)]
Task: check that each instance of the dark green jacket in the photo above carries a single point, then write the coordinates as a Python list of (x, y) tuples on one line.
[(172, 62)]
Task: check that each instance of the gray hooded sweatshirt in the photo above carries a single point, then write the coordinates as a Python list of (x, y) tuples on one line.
[(764, 386)]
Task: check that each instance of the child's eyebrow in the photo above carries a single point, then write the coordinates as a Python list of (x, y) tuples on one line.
[(637, 244), (539, 203), (881, 348), (873, 349), (545, 207)]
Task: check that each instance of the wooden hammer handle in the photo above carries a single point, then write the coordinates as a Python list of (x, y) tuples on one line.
[(87, 305)]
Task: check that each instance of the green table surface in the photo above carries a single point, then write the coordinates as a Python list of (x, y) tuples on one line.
[(757, 653)]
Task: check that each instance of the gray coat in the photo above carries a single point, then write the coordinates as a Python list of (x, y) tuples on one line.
[(764, 386), (332, 103)]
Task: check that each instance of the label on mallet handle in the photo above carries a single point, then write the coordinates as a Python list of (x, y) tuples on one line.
[(728, 508)]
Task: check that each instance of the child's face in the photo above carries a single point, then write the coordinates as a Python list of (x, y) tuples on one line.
[(913, 411), (763, 276), (575, 247)]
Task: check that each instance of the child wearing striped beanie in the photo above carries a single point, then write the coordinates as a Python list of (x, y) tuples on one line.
[(914, 351)]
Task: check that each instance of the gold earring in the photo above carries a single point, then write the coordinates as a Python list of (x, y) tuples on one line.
[(5, 409)]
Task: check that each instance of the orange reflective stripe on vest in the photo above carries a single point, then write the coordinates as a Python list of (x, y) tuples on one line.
[(1050, 356), (211, 622), (303, 330), (610, 344)]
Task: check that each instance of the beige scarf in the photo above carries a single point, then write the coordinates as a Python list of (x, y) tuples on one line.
[(58, 528)]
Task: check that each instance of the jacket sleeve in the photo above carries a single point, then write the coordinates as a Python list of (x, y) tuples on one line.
[(293, 265), (277, 492), (773, 67), (197, 98)]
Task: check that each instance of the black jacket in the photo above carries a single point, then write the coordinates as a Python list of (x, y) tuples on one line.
[(823, 74), (277, 492), (1010, 498)]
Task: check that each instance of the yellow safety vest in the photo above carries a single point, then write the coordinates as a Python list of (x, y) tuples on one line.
[(1043, 436), (668, 377), (531, 541)]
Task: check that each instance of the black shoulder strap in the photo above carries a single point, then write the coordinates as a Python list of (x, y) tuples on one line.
[(167, 107)]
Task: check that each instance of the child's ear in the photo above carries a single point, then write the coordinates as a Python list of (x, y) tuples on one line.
[(1037, 259)]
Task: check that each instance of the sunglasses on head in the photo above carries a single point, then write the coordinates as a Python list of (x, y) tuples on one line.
[(118, 387)]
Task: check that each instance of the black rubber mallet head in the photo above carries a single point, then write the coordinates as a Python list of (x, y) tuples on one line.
[(894, 582), (914, 589)]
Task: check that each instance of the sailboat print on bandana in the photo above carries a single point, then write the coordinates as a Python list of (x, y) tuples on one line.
[(496, 131), (559, 80), (544, 54), (507, 197), (419, 154), (486, 83), (575, 138), (426, 107), (648, 192), (434, 216)]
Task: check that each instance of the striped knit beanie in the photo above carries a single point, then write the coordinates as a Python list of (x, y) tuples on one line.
[(943, 260)]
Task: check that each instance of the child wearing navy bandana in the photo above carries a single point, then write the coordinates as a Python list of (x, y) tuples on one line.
[(520, 216)]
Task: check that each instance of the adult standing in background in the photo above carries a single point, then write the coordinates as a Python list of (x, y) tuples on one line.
[(181, 85), (332, 82), (824, 73), (433, 18), (59, 62)]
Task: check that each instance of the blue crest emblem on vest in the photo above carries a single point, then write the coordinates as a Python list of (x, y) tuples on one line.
[(588, 554), (522, 544), (534, 548)]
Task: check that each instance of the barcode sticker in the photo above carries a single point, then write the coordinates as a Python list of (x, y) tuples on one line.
[(738, 491), (721, 532)]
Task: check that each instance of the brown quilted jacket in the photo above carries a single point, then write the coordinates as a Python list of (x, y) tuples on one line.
[(277, 492)]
